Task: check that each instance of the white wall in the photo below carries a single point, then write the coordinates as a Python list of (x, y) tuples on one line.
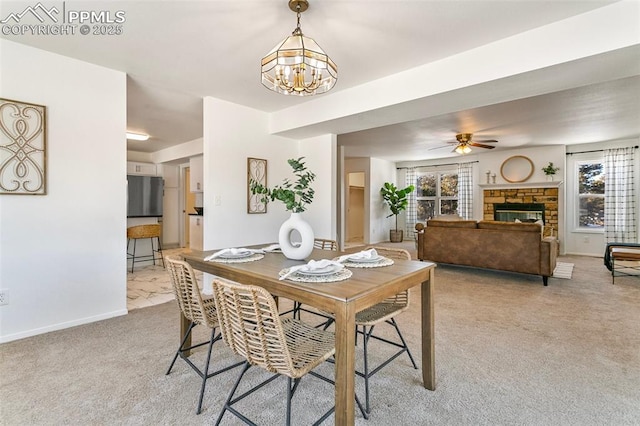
[(184, 151), (63, 254), (232, 133), (539, 156), (381, 171), (320, 155)]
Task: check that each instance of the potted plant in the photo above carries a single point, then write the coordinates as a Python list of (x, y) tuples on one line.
[(550, 170), (295, 196), (397, 201)]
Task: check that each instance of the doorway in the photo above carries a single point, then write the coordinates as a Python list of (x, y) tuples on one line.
[(355, 209), (189, 202)]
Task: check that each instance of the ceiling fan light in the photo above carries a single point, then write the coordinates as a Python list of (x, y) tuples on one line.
[(463, 149)]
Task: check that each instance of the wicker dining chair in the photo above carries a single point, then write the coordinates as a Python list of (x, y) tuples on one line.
[(324, 244), (383, 312), (199, 311), (252, 327)]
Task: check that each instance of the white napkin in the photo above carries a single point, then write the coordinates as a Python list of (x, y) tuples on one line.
[(364, 254), (271, 248), (232, 251), (313, 265)]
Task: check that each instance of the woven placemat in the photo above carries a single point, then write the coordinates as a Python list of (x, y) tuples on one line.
[(252, 258), (379, 264), (341, 275)]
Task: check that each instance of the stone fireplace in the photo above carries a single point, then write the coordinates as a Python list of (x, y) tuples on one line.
[(525, 197)]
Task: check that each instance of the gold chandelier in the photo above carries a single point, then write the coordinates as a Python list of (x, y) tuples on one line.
[(297, 65)]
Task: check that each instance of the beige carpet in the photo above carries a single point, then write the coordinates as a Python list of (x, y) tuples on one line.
[(509, 351)]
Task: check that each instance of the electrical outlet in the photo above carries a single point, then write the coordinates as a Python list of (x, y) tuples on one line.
[(4, 297)]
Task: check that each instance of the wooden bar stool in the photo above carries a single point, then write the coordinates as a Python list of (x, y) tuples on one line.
[(144, 231), (625, 254)]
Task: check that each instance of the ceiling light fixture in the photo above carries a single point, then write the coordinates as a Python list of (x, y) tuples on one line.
[(463, 148), (137, 136), (297, 65)]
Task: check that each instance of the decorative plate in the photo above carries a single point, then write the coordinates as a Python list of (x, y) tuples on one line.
[(328, 270), (341, 275)]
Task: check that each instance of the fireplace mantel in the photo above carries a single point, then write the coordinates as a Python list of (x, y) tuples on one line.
[(547, 184)]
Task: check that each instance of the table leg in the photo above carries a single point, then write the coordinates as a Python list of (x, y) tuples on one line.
[(428, 336), (345, 365), (184, 326)]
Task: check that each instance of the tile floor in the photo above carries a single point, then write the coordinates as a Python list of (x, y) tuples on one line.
[(149, 284)]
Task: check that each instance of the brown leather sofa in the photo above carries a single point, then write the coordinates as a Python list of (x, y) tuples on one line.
[(505, 246)]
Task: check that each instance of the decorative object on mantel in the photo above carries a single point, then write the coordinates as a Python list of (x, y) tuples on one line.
[(297, 65), (550, 170), (295, 197), (516, 169), (493, 178), (23, 152), (397, 201), (257, 172), (488, 176)]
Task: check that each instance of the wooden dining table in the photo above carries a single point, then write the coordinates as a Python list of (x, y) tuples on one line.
[(366, 287)]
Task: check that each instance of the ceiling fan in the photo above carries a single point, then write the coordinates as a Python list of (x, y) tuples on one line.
[(464, 141)]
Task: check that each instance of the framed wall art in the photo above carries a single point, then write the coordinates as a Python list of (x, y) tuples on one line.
[(257, 171), (23, 154)]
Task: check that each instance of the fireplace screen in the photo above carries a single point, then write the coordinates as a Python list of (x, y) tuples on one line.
[(509, 212)]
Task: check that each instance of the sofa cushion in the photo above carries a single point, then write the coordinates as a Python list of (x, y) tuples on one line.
[(452, 223), (509, 226)]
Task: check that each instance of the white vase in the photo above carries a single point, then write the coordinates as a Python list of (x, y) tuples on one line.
[(305, 247), (550, 178)]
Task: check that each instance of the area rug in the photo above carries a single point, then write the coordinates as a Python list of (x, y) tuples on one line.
[(563, 270)]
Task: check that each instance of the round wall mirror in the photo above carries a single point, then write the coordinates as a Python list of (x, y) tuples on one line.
[(516, 169)]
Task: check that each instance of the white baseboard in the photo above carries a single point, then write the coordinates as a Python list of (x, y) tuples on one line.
[(582, 254), (61, 326)]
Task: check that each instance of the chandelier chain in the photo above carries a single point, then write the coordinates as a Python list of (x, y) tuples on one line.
[(298, 14)]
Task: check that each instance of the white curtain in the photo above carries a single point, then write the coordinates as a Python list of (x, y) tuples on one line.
[(411, 215), (620, 196), (465, 190)]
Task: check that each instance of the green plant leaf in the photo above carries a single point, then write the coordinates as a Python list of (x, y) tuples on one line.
[(395, 198), (294, 196)]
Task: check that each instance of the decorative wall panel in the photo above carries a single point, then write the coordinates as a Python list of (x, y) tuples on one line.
[(22, 148), (257, 171)]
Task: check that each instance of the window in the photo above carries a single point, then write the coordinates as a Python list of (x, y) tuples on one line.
[(590, 201), (436, 193)]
